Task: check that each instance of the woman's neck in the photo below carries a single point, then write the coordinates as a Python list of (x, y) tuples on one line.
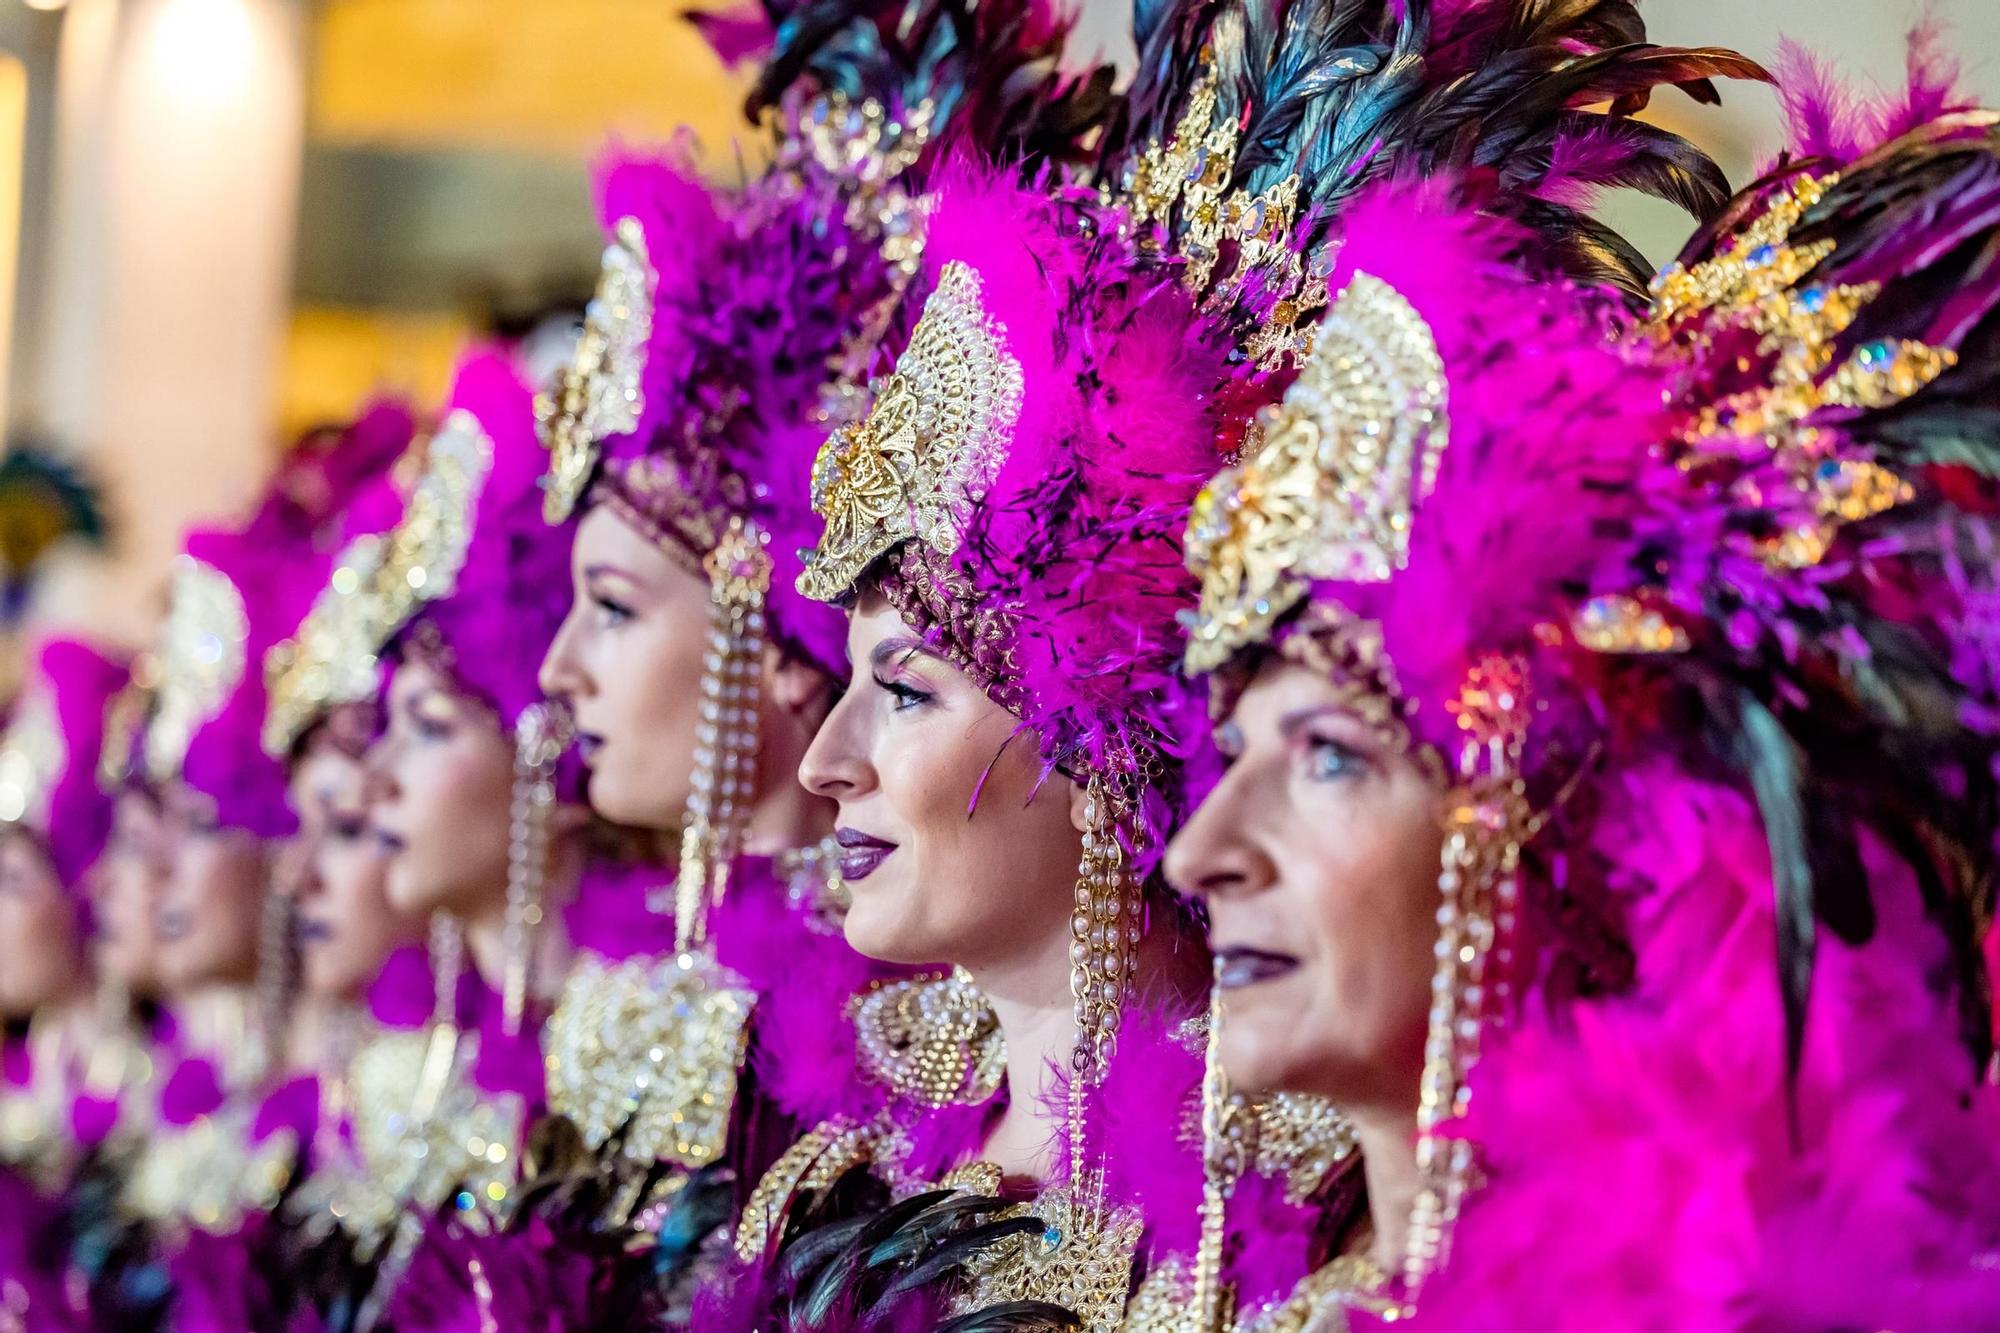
[(68, 1019), (1387, 1140), (1030, 996), (486, 930), (1040, 1033)]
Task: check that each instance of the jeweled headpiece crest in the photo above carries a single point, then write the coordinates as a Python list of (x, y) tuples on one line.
[(32, 757), (601, 392), (928, 449), (1331, 488), (201, 660), (377, 585)]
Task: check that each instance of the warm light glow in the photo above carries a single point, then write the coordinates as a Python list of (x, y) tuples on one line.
[(45, 5), (335, 360), (552, 76), (13, 140), (205, 50)]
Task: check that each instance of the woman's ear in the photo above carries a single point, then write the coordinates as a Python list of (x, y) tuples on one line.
[(1079, 797), (796, 687)]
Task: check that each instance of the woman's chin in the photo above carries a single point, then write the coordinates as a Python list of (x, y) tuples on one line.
[(876, 929)]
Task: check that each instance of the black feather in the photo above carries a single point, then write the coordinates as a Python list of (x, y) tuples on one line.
[(1342, 93)]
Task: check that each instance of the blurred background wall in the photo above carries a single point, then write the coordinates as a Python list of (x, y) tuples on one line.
[(225, 221)]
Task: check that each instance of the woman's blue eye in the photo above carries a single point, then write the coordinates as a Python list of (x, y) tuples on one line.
[(611, 613), (905, 698), (1327, 760)]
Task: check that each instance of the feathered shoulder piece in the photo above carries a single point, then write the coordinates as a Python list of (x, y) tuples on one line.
[(1252, 124)]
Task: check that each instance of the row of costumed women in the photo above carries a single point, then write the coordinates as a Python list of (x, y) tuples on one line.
[(1200, 707)]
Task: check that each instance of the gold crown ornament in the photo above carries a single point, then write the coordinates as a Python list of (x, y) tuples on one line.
[(377, 584), (929, 448), (600, 393), (1331, 483), (201, 660), (1230, 242)]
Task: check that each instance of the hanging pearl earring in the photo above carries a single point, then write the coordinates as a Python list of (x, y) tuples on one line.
[(540, 738), (725, 756)]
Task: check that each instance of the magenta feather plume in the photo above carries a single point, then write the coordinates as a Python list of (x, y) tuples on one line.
[(1546, 417), (757, 293), (78, 681), (1822, 113), (224, 759), (737, 36), (517, 1280), (1073, 545), (1672, 1108), (1836, 119)]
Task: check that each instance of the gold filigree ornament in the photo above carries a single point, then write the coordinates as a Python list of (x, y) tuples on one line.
[(1247, 239), (1081, 1259), (377, 584), (822, 1156), (330, 659), (600, 393), (652, 1047), (933, 1040), (929, 447), (1331, 489), (1752, 284)]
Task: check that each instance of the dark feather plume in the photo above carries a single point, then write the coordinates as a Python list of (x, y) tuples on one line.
[(1346, 92)]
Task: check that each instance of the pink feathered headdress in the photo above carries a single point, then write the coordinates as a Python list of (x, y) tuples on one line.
[(471, 579), (236, 593), (1727, 581), (49, 756), (1455, 398), (1017, 489), (328, 659)]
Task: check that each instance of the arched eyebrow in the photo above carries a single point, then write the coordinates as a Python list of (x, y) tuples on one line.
[(900, 646)]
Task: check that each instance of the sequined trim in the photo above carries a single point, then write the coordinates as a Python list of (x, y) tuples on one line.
[(601, 392), (1331, 489), (930, 446)]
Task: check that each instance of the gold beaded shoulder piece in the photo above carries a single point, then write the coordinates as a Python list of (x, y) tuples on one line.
[(201, 661), (931, 1040), (1331, 488), (207, 1174), (600, 393), (653, 1047), (929, 447)]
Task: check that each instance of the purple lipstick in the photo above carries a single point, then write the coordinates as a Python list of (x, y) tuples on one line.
[(860, 853)]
